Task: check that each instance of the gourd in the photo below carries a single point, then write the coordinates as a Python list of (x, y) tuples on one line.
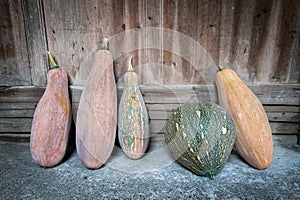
[(97, 112), (254, 137), (133, 122), (200, 136), (52, 120)]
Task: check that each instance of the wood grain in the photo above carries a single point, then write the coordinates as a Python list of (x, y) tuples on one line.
[(280, 101), (258, 39), (36, 41), (13, 50)]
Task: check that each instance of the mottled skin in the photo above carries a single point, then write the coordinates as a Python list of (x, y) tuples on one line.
[(97, 113), (254, 136), (201, 136), (133, 122), (51, 121)]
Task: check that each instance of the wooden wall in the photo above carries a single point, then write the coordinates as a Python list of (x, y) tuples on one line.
[(175, 44), (259, 39)]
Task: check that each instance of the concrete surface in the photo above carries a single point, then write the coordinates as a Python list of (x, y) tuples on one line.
[(155, 176)]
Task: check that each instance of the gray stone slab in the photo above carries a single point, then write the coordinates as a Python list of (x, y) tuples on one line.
[(155, 176)]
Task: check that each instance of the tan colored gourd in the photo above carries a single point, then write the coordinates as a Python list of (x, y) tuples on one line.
[(97, 112), (51, 120), (254, 136), (133, 122)]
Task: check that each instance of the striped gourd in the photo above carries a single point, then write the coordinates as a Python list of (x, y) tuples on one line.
[(201, 136), (133, 122)]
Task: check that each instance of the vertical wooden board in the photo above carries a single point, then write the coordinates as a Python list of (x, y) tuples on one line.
[(116, 39), (170, 74), (268, 58), (208, 27), (180, 17), (286, 69), (13, 55), (153, 43), (36, 41), (208, 36), (263, 51), (226, 32), (140, 66), (187, 25), (242, 33), (133, 20)]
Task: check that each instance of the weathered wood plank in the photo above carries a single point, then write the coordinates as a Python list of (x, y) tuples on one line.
[(279, 94), (160, 100), (156, 111), (21, 125), (161, 107), (36, 41), (17, 106), (284, 128), (158, 126), (284, 117), (15, 125), (15, 137), (159, 114), (281, 109), (14, 63), (259, 39), (273, 116), (16, 113), (32, 99), (268, 108)]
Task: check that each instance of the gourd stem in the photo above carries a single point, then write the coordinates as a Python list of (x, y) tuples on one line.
[(52, 61), (104, 45), (130, 69), (220, 67), (211, 174)]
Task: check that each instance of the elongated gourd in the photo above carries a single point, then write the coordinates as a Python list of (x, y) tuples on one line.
[(51, 120), (200, 136), (133, 122), (254, 136), (97, 112)]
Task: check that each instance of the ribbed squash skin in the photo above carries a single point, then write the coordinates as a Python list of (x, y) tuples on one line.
[(96, 120), (201, 136), (133, 121), (51, 121), (254, 136)]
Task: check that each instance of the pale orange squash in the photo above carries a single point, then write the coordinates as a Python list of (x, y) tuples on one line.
[(52, 120), (254, 136), (96, 121)]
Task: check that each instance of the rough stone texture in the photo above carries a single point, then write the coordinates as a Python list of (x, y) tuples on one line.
[(155, 176)]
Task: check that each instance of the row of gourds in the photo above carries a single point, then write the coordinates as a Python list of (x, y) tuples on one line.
[(199, 135)]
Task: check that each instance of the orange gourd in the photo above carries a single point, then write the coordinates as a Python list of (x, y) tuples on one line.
[(254, 136), (52, 120)]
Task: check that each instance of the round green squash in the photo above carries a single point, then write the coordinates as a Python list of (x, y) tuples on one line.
[(200, 136)]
